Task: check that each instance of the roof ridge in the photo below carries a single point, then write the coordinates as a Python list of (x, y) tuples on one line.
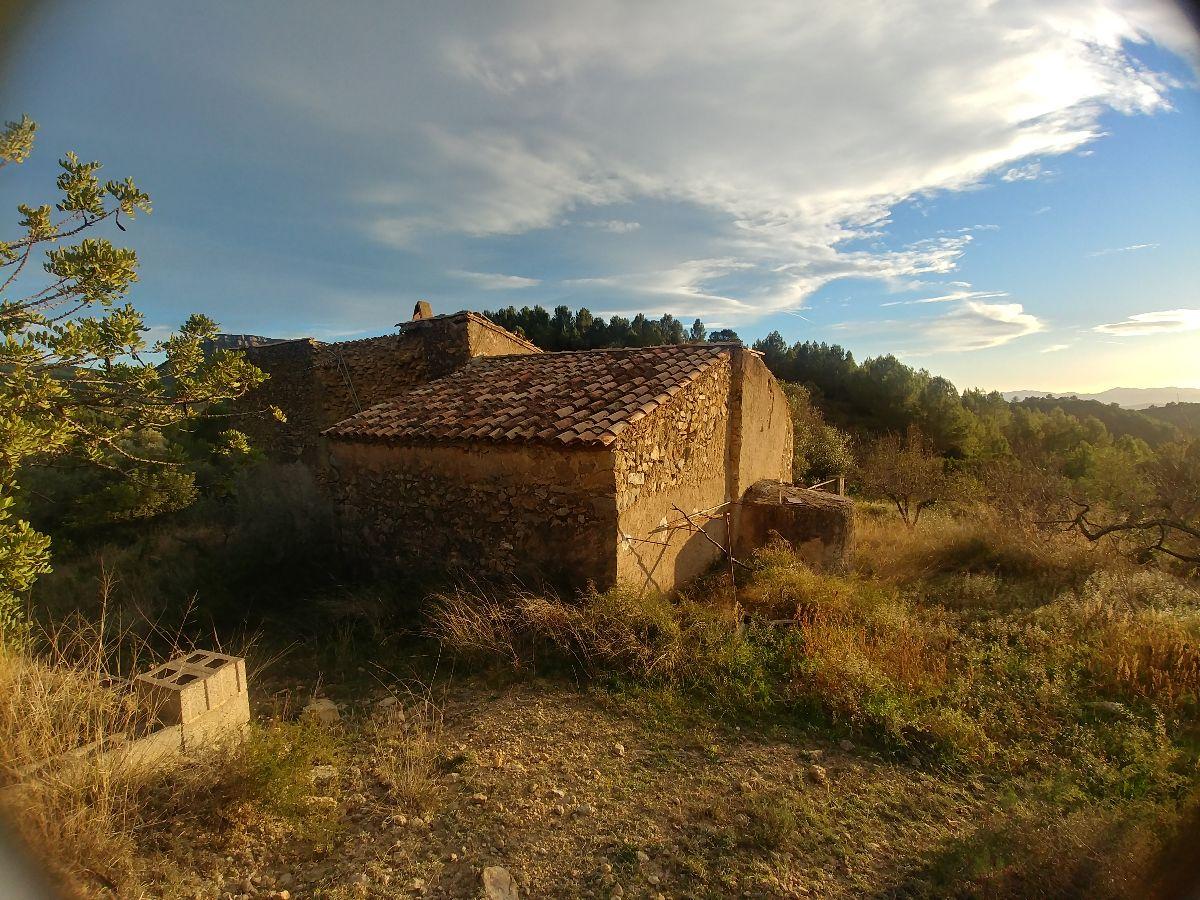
[(707, 345)]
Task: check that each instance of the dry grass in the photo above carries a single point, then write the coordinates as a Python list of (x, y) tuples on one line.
[(74, 814), (409, 747), (618, 630), (974, 542), (1144, 637)]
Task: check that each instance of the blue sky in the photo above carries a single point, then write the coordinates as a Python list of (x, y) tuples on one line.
[(1003, 193)]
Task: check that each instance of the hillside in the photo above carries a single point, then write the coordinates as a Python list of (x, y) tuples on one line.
[(1120, 422), (1128, 398), (1184, 416)]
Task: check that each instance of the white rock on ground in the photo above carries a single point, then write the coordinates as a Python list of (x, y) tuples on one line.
[(498, 884), (323, 710)]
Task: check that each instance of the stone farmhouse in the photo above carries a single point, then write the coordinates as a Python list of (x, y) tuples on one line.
[(458, 444)]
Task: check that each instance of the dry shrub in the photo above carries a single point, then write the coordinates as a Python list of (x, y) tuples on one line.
[(408, 747), (479, 627), (1146, 641), (1099, 850), (844, 618), (618, 630), (783, 586)]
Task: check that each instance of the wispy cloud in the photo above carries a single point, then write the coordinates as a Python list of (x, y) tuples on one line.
[(1145, 324), (1056, 348), (1128, 249), (952, 297), (473, 131), (493, 281), (978, 326)]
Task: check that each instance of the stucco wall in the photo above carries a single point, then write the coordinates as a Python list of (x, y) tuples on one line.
[(762, 446), (486, 338), (530, 511), (674, 457)]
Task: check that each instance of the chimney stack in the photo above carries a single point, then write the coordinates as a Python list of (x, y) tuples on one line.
[(422, 311)]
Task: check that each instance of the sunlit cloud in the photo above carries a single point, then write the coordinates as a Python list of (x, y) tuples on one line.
[(1151, 323), (522, 118), (1056, 348), (970, 325), (978, 326)]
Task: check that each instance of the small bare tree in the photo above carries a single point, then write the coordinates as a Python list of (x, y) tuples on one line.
[(905, 471), (1167, 520)]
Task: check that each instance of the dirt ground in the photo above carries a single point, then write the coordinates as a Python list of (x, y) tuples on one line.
[(590, 794)]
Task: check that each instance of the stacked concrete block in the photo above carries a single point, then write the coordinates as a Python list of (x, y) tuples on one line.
[(199, 697)]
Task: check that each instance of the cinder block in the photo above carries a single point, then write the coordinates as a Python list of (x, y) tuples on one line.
[(190, 686), (230, 718), (172, 693), (224, 676)]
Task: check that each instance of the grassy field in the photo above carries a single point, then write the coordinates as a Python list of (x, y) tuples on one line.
[(968, 710)]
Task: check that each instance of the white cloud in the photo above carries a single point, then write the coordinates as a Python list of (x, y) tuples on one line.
[(616, 226), (680, 290), (977, 326), (1055, 348), (791, 129), (1165, 321), (1028, 172), (492, 281), (968, 325), (1128, 249)]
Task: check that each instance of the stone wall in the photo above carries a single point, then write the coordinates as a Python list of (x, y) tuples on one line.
[(533, 512), (674, 457), (818, 525), (292, 386), (317, 384)]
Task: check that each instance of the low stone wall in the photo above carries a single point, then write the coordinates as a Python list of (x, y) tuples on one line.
[(819, 526), (530, 512)]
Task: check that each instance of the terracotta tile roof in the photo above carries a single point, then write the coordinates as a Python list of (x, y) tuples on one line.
[(586, 397)]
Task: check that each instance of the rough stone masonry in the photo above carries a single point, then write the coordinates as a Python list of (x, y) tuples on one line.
[(458, 445)]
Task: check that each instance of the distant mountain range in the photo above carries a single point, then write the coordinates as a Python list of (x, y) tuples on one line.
[(1128, 398)]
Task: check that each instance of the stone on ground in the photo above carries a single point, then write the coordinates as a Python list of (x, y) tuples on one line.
[(323, 710), (498, 884)]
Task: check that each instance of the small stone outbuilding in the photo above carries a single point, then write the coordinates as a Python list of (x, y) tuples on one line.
[(316, 384), (573, 467)]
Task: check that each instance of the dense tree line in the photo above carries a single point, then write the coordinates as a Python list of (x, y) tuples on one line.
[(567, 330), (883, 395)]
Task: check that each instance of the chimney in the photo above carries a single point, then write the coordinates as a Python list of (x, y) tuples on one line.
[(422, 311)]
